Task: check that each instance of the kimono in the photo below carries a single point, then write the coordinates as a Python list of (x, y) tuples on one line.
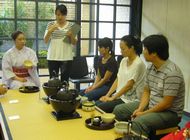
[(12, 65)]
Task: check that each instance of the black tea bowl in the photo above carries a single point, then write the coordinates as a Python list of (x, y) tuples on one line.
[(64, 107)]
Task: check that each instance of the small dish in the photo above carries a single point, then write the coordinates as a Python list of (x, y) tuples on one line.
[(88, 106), (101, 126), (121, 127), (29, 89), (108, 117), (28, 63)]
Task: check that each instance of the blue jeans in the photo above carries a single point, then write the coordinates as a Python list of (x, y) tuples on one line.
[(96, 93), (147, 123), (124, 111), (108, 106), (150, 122)]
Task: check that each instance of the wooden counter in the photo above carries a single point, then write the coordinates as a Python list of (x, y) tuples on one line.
[(37, 123)]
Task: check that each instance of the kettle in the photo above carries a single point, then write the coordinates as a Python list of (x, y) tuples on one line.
[(65, 94), (54, 81)]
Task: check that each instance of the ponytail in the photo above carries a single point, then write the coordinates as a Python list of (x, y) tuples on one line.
[(106, 43), (133, 41)]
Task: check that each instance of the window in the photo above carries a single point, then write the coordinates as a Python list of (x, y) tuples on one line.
[(98, 19), (103, 18)]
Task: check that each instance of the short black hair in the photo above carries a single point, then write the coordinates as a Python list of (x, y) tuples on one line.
[(133, 41), (106, 43), (62, 8), (157, 44), (15, 34)]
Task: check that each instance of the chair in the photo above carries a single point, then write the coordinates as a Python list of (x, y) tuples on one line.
[(80, 72), (158, 134)]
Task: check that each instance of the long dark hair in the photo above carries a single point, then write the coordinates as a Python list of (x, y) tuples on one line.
[(133, 41), (106, 43)]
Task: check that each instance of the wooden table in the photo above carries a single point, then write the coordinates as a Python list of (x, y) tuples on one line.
[(37, 123)]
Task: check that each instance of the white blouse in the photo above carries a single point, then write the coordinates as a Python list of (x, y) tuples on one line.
[(136, 72), (58, 49)]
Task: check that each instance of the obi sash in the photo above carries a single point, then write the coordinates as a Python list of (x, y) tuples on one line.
[(20, 72)]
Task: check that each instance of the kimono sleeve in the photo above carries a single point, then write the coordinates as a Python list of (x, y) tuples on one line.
[(32, 57), (7, 67)]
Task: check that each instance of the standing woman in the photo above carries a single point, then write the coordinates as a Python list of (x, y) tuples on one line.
[(60, 53), (106, 72), (130, 76), (15, 73)]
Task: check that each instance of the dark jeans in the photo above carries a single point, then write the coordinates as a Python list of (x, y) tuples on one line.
[(149, 122), (108, 106), (63, 66), (96, 93), (124, 111)]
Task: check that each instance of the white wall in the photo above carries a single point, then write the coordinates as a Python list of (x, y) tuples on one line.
[(171, 18)]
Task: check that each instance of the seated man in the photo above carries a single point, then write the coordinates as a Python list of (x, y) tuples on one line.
[(162, 101), (3, 89)]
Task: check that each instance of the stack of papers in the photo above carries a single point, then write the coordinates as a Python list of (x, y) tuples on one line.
[(75, 28)]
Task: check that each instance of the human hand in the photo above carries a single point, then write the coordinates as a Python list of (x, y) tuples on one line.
[(53, 27), (20, 79), (28, 67), (140, 113), (90, 88), (135, 113), (104, 98), (70, 34), (108, 99)]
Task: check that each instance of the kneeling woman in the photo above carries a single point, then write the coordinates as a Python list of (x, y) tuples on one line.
[(130, 76), (106, 72), (15, 74)]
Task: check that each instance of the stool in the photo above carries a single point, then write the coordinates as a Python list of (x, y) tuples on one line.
[(162, 132), (159, 133), (166, 131)]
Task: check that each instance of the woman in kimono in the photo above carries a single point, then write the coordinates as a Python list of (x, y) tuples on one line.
[(15, 74)]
